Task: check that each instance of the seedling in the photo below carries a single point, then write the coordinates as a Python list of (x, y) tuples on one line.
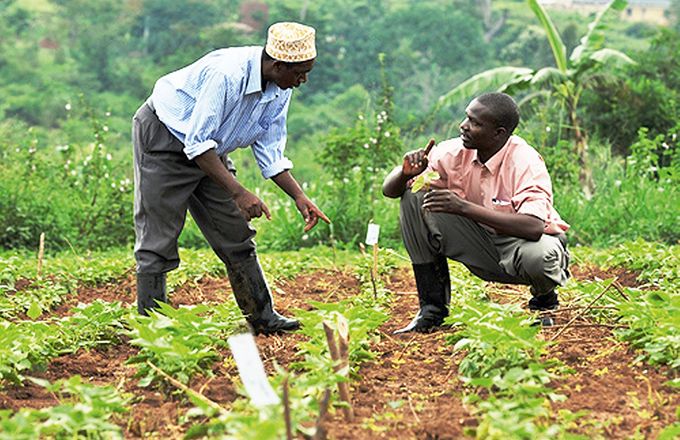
[(424, 180)]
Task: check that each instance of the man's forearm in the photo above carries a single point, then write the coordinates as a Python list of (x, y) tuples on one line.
[(505, 223), (211, 164), (395, 183), (288, 184)]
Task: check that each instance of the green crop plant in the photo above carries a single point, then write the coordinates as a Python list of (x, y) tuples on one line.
[(503, 364), (653, 320), (84, 411), (26, 345), (657, 263), (181, 342)]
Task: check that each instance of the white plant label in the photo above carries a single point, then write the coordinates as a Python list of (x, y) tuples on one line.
[(251, 370), (372, 234)]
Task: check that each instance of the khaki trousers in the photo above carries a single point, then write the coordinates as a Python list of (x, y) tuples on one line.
[(542, 264), (166, 185)]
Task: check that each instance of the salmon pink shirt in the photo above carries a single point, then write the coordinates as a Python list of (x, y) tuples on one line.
[(514, 180)]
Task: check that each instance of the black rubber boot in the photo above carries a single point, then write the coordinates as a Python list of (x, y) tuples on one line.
[(544, 302), (151, 287), (434, 294), (253, 297)]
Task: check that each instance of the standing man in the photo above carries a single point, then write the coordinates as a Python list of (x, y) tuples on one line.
[(492, 210), (230, 98)]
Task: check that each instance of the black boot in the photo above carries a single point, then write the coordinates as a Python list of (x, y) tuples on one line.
[(434, 293), (253, 297), (150, 288), (544, 302)]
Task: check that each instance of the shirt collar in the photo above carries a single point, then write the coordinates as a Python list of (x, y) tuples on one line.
[(495, 162), (255, 79)]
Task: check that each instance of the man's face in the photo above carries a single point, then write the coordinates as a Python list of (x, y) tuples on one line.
[(292, 75), (478, 130)]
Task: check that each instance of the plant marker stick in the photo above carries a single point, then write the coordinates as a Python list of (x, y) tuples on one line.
[(372, 240), (343, 387), (41, 253), (251, 370)]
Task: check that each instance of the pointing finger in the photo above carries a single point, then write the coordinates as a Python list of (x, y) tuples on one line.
[(266, 211), (430, 144)]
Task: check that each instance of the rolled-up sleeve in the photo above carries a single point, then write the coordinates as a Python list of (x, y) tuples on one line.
[(533, 194), (270, 147), (216, 98)]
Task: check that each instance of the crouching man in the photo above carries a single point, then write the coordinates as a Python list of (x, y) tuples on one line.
[(491, 209)]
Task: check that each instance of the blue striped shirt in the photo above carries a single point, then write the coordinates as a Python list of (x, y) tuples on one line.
[(217, 102)]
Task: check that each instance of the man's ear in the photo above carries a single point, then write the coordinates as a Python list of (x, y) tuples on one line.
[(279, 65), (501, 132)]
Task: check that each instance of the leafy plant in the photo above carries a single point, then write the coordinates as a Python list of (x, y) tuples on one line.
[(85, 411), (181, 342), (424, 180)]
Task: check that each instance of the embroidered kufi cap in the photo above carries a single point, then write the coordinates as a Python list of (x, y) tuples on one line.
[(291, 42)]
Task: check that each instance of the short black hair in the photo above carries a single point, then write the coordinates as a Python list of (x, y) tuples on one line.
[(503, 109)]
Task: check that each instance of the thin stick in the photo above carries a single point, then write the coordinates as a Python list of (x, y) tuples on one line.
[(286, 409), (586, 325), (41, 253), (619, 288), (188, 390), (566, 309), (403, 350), (320, 431), (410, 404), (343, 387), (374, 271), (582, 311)]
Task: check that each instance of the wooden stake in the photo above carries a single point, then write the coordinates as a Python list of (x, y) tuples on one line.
[(374, 271), (343, 387), (286, 409), (578, 315), (41, 253), (320, 430)]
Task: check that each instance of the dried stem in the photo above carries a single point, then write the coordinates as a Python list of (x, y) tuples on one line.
[(343, 387), (286, 409), (579, 314), (188, 390)]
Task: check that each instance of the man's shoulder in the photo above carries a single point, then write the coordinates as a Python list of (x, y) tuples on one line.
[(233, 62), (521, 148)]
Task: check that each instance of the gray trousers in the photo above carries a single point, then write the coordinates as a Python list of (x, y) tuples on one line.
[(166, 185), (542, 264)]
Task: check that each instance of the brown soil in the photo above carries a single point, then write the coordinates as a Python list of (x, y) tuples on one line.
[(410, 390)]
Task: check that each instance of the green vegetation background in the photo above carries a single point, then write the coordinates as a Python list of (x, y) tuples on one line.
[(73, 72)]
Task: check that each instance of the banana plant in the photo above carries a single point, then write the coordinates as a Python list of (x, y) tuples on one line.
[(567, 79)]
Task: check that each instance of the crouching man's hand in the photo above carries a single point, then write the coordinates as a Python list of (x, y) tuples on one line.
[(444, 200)]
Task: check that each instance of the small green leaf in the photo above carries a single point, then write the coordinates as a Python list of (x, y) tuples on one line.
[(34, 310), (424, 180)]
